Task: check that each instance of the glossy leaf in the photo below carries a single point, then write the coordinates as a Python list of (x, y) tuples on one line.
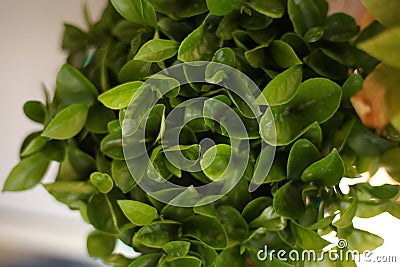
[(346, 216), (157, 50), (102, 181), (282, 88), (68, 123), (304, 15), (201, 44), (139, 12), (302, 155), (235, 225), (325, 66), (181, 262), (273, 8), (122, 176), (225, 56), (180, 9), (352, 85), (27, 173), (177, 248), (222, 8), (157, 234), (231, 255), (285, 119), (215, 161), (327, 171), (147, 260), (134, 70), (120, 96), (206, 229), (34, 146), (73, 87), (269, 220), (137, 212), (283, 54), (340, 27)]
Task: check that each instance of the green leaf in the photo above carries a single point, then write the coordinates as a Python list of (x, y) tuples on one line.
[(283, 54), (74, 39), (137, 212), (309, 105), (157, 50), (360, 240), (177, 248), (308, 239), (326, 66), (137, 11), (180, 9), (384, 47), (73, 87), (222, 7), (269, 220), (270, 8), (206, 229), (314, 34), (215, 161), (104, 214), (302, 154), (34, 146), (235, 225), (390, 160), (134, 70), (71, 193), (254, 208), (199, 45), (68, 122), (181, 262), (157, 234), (288, 201), (98, 118), (122, 176), (352, 85), (386, 14), (27, 173), (282, 88), (146, 260), (304, 15), (35, 110), (327, 171), (99, 244), (225, 56), (346, 216), (102, 181), (232, 256), (120, 96), (340, 27)]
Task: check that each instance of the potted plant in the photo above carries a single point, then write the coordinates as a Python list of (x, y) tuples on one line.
[(275, 185)]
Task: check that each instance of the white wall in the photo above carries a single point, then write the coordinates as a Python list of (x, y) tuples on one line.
[(30, 54)]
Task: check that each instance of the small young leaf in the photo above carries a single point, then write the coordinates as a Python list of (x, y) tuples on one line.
[(35, 110), (102, 181), (137, 212), (68, 123), (157, 50), (27, 173)]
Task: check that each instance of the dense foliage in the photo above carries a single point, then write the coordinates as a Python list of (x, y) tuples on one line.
[(307, 64)]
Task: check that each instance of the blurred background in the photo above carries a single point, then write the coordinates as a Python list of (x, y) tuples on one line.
[(35, 230)]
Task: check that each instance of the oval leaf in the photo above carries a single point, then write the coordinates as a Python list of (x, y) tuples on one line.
[(137, 212), (120, 96), (157, 50)]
